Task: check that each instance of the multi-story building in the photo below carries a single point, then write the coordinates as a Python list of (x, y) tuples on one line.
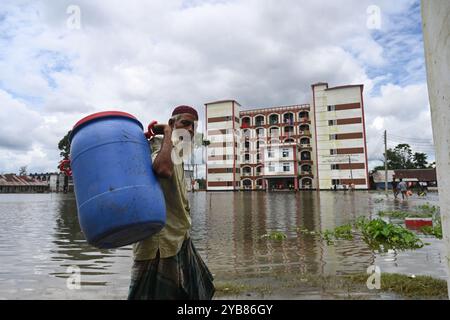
[(289, 147)]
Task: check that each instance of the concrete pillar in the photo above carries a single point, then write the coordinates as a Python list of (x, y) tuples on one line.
[(436, 36)]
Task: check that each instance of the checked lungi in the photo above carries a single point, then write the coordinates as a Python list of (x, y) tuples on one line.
[(182, 277)]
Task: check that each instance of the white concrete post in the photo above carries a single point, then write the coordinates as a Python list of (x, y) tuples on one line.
[(436, 35)]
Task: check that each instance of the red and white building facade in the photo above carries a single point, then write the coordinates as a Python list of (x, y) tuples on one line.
[(298, 147)]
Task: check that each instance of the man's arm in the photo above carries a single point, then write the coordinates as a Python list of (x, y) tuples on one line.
[(163, 165)]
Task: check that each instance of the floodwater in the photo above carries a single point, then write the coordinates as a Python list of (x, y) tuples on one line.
[(41, 244)]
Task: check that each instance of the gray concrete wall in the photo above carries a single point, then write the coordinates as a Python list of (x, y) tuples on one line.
[(436, 35)]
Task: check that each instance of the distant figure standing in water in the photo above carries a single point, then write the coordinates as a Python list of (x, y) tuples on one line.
[(395, 188), (403, 188)]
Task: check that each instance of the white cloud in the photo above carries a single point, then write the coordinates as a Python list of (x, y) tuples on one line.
[(147, 56)]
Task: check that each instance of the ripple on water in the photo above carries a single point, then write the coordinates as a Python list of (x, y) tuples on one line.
[(40, 240)]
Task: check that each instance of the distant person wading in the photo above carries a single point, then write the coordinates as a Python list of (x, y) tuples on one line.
[(403, 189)]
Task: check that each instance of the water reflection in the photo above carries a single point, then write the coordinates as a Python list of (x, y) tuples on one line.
[(72, 250), (40, 238)]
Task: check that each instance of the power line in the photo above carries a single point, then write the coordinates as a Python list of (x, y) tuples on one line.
[(411, 138)]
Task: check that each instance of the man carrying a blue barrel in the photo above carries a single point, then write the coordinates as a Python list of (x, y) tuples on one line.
[(167, 265)]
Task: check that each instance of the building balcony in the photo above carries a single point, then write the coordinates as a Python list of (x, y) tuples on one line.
[(305, 120), (306, 146), (306, 161), (246, 174), (306, 174), (306, 133)]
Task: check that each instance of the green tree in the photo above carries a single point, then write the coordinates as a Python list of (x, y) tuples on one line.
[(23, 171), (64, 146), (420, 160), (402, 157)]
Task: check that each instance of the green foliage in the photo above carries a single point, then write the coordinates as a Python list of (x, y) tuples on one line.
[(423, 211), (402, 157), (434, 230), (428, 209), (23, 171), (381, 236), (395, 214), (408, 286), (64, 146), (420, 160), (201, 184), (275, 235), (377, 234)]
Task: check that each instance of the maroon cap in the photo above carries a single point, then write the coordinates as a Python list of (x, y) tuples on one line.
[(185, 109)]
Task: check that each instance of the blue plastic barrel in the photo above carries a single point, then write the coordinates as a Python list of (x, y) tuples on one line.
[(118, 197)]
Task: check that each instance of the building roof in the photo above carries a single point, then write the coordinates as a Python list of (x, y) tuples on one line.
[(319, 84), (276, 109), (222, 101), (12, 180), (419, 174), (410, 174), (346, 86)]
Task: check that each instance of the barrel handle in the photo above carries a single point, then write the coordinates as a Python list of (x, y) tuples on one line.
[(150, 133), (62, 167)]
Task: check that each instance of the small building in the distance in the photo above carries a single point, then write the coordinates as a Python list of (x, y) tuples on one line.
[(426, 177), (11, 183)]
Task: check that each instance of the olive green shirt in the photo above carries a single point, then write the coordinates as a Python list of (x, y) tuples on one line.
[(178, 218)]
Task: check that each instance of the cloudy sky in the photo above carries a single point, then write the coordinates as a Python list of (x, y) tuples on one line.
[(62, 60)]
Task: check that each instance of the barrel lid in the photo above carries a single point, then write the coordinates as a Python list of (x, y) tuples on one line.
[(103, 114)]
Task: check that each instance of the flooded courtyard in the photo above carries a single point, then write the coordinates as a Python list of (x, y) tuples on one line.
[(41, 243)]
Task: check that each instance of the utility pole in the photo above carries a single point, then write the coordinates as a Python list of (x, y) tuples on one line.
[(385, 164), (351, 172), (350, 166)]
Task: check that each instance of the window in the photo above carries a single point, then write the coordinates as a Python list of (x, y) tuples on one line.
[(335, 167), (270, 153), (238, 170), (286, 167), (247, 157), (335, 181), (331, 108), (285, 153), (333, 151), (332, 122), (271, 167), (333, 136)]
